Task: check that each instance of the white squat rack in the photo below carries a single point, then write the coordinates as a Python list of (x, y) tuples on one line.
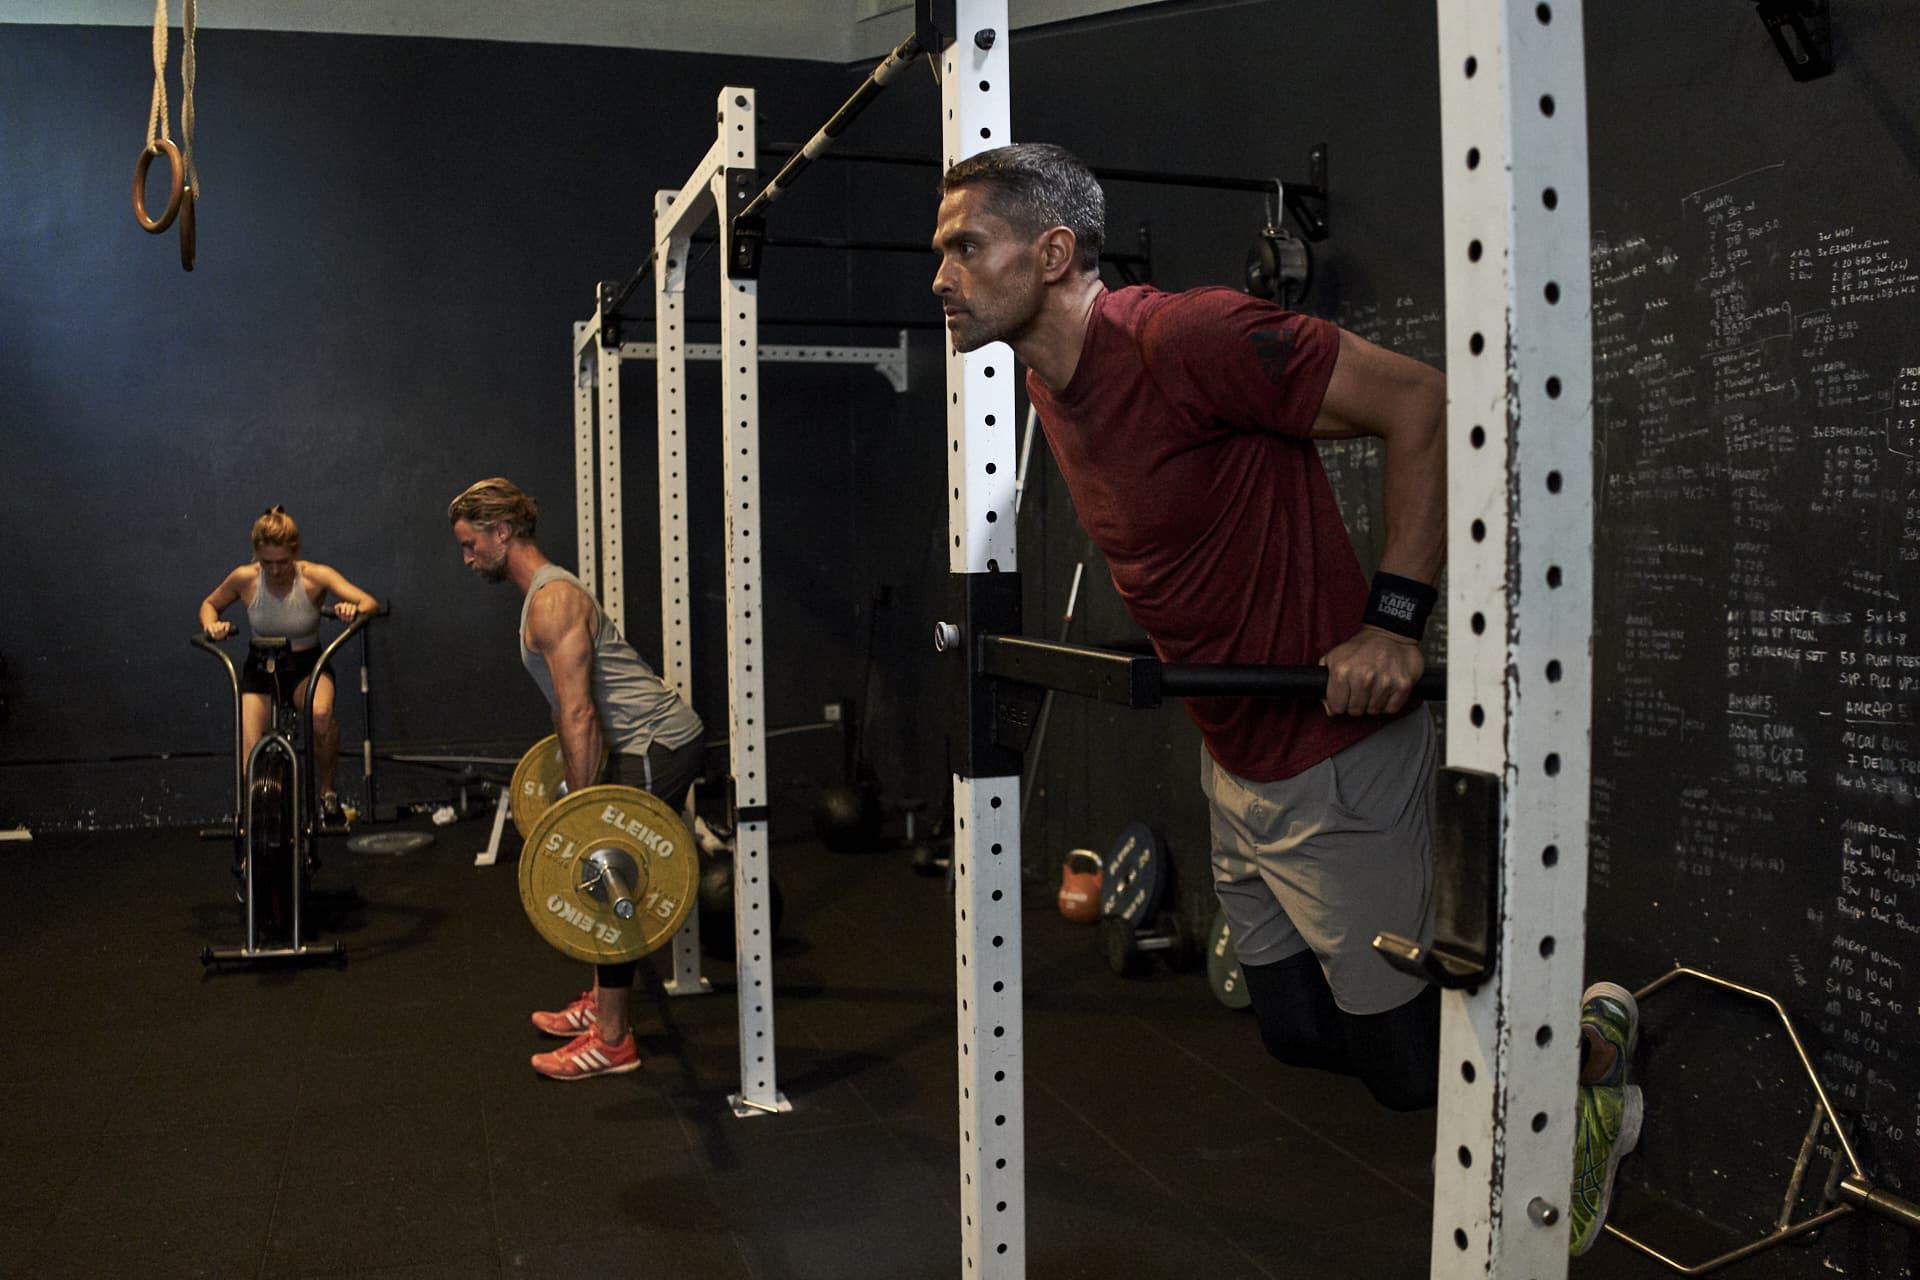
[(597, 475)]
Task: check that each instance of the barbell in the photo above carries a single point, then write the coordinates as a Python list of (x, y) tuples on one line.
[(608, 874), (538, 780)]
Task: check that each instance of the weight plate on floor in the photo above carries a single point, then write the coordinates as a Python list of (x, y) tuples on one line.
[(1223, 967), (608, 874), (539, 779), (1136, 875), (389, 842)]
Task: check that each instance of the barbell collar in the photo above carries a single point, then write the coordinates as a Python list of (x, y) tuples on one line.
[(607, 883)]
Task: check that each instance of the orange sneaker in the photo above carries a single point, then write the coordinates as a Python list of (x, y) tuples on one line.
[(588, 1055), (569, 1022)]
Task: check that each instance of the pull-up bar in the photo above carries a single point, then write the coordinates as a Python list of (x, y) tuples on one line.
[(747, 237), (903, 53)]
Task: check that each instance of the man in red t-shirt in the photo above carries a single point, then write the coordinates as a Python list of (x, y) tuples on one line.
[(1185, 426)]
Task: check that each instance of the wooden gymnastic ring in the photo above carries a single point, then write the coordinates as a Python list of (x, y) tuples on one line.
[(172, 153), (186, 229)]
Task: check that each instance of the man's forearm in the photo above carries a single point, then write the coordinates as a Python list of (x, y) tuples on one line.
[(1414, 489), (580, 747)]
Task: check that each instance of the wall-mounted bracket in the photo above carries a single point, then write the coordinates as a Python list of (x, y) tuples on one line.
[(1308, 204), (1802, 32)]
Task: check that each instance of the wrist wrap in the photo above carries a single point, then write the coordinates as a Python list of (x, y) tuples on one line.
[(1399, 605)]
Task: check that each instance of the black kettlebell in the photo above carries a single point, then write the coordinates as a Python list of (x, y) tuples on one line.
[(847, 819)]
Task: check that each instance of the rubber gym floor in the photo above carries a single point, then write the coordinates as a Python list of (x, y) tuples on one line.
[(380, 1119)]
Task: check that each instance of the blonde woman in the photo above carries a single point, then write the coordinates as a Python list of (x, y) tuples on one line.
[(284, 596)]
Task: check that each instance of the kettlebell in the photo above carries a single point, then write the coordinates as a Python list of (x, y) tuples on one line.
[(1080, 886)]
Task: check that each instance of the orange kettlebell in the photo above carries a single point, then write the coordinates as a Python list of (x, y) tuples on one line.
[(1080, 886)]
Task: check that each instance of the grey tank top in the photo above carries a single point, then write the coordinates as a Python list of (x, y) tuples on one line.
[(294, 616), (637, 709)]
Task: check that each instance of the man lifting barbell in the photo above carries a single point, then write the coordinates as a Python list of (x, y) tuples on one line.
[(1185, 426), (602, 695)]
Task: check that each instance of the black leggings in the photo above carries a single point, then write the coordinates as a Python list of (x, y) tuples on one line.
[(672, 770), (1396, 1054)]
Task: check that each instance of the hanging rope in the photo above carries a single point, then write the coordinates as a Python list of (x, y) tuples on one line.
[(185, 182), (191, 196)]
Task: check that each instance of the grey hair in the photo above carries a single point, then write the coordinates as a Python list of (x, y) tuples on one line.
[(1037, 185)]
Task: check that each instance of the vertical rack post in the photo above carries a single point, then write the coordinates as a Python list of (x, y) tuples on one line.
[(976, 111), (733, 184), (1520, 599), (586, 498), (676, 624), (612, 585)]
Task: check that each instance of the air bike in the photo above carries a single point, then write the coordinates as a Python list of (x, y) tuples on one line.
[(276, 827)]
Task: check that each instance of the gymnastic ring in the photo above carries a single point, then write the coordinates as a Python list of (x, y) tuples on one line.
[(186, 229), (161, 147)]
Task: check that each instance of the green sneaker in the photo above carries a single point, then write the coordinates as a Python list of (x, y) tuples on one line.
[(1609, 1126), (1610, 1010)]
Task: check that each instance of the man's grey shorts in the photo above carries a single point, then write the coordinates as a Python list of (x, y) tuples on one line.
[(1330, 857)]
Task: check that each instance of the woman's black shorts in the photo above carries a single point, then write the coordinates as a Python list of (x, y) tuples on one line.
[(293, 665)]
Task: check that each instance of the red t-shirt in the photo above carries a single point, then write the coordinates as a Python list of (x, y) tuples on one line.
[(1184, 437)]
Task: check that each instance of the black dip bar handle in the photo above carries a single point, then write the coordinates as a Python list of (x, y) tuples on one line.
[(1141, 680)]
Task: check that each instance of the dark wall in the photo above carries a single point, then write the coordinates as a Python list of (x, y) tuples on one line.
[(1757, 380), (396, 239)]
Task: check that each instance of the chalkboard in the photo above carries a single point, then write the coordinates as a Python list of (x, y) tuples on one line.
[(1757, 667)]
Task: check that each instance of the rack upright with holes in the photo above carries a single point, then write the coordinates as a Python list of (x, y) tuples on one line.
[(1520, 567)]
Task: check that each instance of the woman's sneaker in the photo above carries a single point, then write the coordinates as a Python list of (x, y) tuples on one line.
[(588, 1056), (581, 1015)]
